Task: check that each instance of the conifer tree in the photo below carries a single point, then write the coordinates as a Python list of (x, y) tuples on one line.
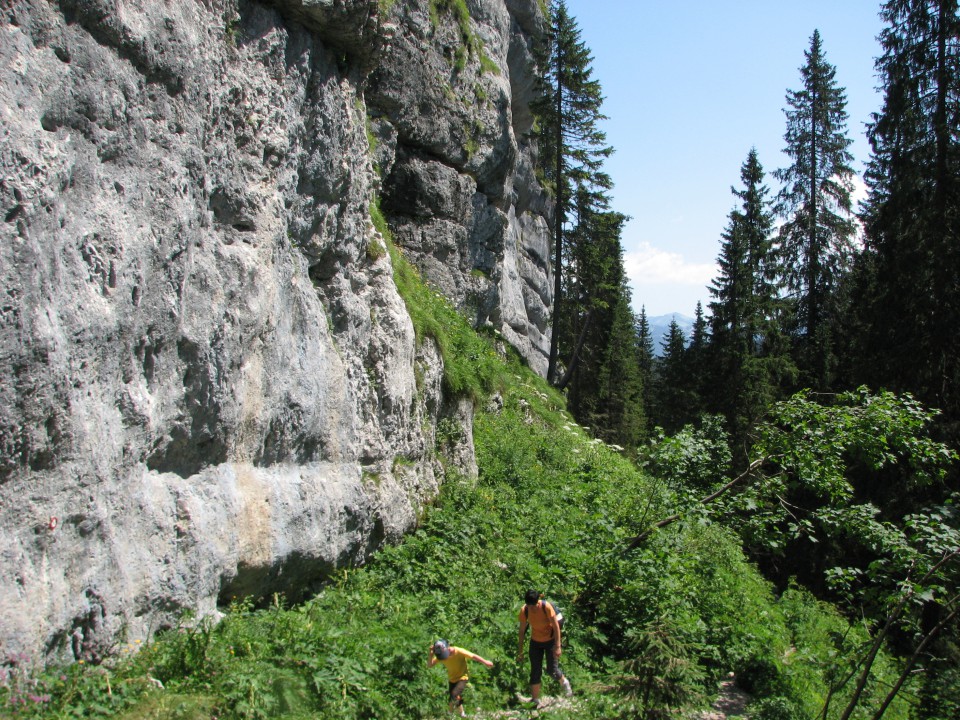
[(645, 359), (698, 336), (572, 146), (591, 274), (816, 238), (697, 361), (675, 404), (621, 381), (746, 359), (908, 295), (604, 383)]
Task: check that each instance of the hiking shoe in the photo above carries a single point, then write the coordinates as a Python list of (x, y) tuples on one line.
[(567, 690)]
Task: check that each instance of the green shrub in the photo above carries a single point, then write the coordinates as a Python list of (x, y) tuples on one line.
[(776, 708), (697, 458), (471, 366)]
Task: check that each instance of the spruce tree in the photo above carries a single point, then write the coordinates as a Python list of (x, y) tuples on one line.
[(604, 382), (698, 334), (816, 239), (572, 146), (621, 381), (645, 359), (908, 295), (746, 356), (697, 361), (675, 403)]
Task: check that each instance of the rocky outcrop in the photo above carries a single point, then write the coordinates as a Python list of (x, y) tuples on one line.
[(450, 105), (209, 385)]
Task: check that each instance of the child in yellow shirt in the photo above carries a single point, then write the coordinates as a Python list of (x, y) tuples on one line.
[(455, 660)]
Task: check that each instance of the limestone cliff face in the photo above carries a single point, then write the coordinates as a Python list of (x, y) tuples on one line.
[(450, 105), (209, 385)]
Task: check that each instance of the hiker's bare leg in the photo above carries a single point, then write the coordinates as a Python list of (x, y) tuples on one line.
[(535, 691)]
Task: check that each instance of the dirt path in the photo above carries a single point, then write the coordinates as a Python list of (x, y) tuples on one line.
[(547, 705), (730, 703)]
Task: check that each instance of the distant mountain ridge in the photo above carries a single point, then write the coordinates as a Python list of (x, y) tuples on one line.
[(660, 328)]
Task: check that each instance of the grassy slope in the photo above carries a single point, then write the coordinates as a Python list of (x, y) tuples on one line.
[(550, 509)]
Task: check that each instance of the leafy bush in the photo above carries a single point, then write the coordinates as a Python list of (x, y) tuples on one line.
[(776, 708), (696, 457)]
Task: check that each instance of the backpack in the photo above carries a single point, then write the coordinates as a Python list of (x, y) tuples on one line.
[(560, 618)]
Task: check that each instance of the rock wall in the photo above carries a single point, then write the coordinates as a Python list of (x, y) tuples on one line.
[(450, 109), (209, 385)]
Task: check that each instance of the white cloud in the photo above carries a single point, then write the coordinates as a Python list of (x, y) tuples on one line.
[(860, 191), (652, 266), (664, 282)]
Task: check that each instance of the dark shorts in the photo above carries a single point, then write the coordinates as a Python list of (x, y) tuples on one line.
[(537, 652), (456, 692)]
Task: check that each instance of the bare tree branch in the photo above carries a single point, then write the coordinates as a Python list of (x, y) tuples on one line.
[(753, 467)]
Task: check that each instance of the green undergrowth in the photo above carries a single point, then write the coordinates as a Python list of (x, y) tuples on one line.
[(551, 509), (649, 630), (471, 366), (472, 44)]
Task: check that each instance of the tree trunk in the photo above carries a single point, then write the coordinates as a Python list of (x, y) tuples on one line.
[(558, 218)]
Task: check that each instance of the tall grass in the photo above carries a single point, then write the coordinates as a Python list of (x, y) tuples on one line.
[(471, 366)]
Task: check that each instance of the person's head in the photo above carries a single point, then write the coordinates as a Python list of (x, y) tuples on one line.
[(441, 648), (532, 597)]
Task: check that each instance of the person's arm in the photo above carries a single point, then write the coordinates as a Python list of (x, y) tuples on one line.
[(474, 656), (520, 637), (433, 658), (557, 649)]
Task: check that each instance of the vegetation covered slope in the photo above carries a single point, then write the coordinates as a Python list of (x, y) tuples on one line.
[(647, 629)]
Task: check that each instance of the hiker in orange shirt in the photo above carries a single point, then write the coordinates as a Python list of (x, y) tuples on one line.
[(541, 616), (455, 660)]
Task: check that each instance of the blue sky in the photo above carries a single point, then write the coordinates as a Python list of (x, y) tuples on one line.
[(690, 87)]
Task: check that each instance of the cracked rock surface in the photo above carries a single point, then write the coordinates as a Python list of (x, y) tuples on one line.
[(209, 386)]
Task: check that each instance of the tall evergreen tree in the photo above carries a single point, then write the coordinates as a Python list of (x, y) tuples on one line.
[(675, 402), (573, 146), (645, 359), (699, 334), (621, 381), (604, 383), (697, 361), (909, 294), (746, 357), (816, 240), (594, 283)]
